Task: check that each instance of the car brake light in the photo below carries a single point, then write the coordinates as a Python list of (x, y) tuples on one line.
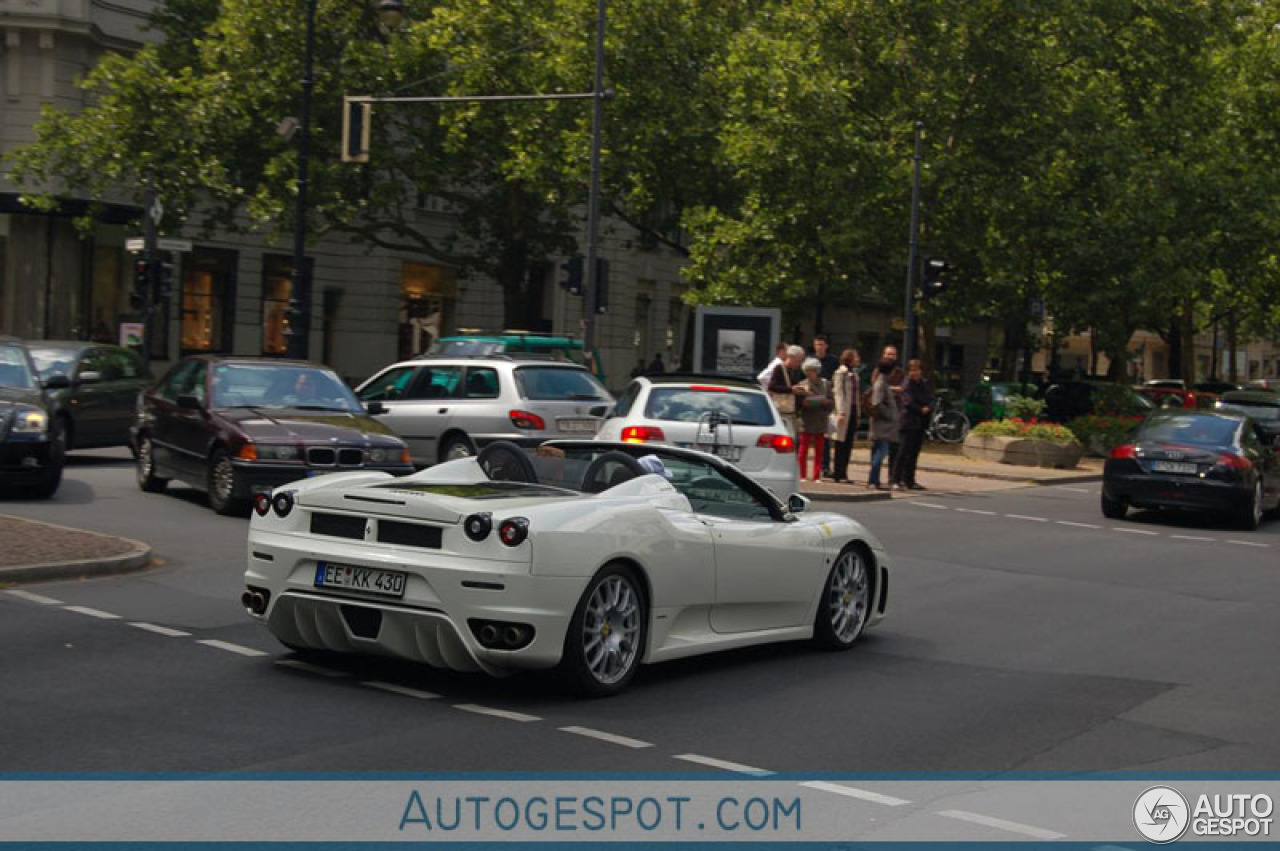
[(1126, 450), (513, 531), (642, 434), (524, 419), (707, 388), (1235, 462), (262, 504), (781, 443), (248, 452)]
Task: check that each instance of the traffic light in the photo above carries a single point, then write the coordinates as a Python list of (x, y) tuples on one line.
[(602, 285), (356, 118), (165, 287), (572, 274), (936, 277), (140, 297)]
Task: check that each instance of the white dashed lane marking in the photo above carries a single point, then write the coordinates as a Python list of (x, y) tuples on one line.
[(1133, 531), (929, 505), (1002, 824), (231, 648), (496, 713), (855, 792), (1027, 517), (1073, 490), (161, 630), (35, 598), (712, 762), (977, 511), (395, 688), (1192, 538), (299, 665), (93, 613), (612, 738), (1077, 525), (1247, 543)]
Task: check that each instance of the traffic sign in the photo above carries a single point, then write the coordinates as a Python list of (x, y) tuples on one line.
[(137, 243)]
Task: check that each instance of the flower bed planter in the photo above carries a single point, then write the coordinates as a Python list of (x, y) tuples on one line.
[(1022, 451)]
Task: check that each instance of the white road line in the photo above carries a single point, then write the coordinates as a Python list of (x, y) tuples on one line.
[(1078, 525), (612, 738), (1001, 824), (399, 689), (1073, 490), (1192, 538), (1134, 531), (496, 713), (712, 762), (35, 598), (233, 648), (161, 630), (93, 613), (854, 792), (1247, 543), (1027, 517), (299, 665), (977, 511), (930, 505)]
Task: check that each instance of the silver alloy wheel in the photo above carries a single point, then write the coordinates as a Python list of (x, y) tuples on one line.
[(611, 629), (848, 596), (458, 449), (224, 477)]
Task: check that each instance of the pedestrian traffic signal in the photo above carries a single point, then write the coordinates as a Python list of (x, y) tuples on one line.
[(936, 277), (140, 297), (571, 270), (356, 118)]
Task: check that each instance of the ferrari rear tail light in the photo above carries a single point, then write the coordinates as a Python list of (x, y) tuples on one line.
[(513, 531), (478, 526), (262, 504), (780, 443), (1234, 462), (642, 434), (283, 503), (1126, 450), (524, 419)]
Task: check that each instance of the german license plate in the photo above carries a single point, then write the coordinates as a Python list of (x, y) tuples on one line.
[(1173, 467), (731, 454), (583, 426), (370, 580)]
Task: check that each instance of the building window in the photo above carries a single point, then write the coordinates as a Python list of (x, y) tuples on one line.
[(208, 300), (277, 284), (427, 297)]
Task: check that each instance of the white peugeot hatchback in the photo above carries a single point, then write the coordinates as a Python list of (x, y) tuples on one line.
[(728, 417)]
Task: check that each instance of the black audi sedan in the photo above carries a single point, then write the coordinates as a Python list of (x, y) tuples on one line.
[(238, 426), (31, 455), (1217, 461)]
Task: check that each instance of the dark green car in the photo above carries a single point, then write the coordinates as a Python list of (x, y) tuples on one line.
[(988, 400)]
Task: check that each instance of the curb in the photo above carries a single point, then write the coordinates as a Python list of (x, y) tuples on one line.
[(137, 558), (1073, 478), (855, 496)]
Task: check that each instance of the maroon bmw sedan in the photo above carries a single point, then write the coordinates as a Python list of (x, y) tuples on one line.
[(237, 426)]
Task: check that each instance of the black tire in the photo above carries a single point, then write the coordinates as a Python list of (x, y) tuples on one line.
[(456, 446), (146, 467), (48, 485), (66, 433), (1113, 509), (222, 485), (848, 595), (597, 676), (1250, 517)]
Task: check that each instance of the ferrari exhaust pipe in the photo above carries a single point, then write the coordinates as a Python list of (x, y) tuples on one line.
[(254, 601), (246, 599), (488, 635), (512, 636)]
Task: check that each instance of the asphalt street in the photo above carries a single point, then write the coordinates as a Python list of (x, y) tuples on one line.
[(1026, 633)]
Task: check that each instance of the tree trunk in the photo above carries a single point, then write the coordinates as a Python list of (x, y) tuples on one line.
[(1233, 373), (513, 277), (1173, 339)]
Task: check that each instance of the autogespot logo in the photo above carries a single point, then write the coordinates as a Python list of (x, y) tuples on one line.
[(1161, 814)]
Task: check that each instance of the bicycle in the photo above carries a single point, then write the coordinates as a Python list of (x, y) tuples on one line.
[(946, 425)]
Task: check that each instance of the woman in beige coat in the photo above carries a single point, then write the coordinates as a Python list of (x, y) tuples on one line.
[(847, 392)]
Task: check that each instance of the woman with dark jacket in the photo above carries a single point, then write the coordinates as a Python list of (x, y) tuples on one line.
[(917, 405)]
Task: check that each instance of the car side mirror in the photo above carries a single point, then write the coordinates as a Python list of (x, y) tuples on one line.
[(189, 402), (375, 408), (797, 504), (89, 377), (57, 381)]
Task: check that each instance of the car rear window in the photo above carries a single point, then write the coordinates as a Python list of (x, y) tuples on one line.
[(1196, 430), (1260, 411), (686, 404), (551, 383)]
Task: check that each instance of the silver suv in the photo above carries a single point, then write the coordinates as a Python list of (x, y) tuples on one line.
[(450, 407)]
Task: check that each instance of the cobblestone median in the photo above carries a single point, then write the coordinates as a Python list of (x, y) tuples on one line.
[(27, 542)]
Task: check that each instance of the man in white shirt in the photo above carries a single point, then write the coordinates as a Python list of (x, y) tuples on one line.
[(779, 355)]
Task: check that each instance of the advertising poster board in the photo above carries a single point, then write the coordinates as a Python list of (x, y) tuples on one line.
[(735, 340)]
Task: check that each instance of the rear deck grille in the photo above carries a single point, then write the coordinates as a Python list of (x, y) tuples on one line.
[(338, 525)]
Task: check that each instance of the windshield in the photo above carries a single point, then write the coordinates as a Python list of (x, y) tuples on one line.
[(550, 383), (461, 348), (14, 371), (51, 361), (1260, 411), (1195, 430), (688, 404), (278, 386)]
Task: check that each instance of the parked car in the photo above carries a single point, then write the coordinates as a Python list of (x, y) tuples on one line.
[(1067, 400), (1262, 407), (517, 344), (583, 555), (452, 407), (237, 426), (31, 455), (101, 400), (1272, 384), (1194, 460), (1218, 387), (988, 400), (1176, 397), (732, 418), (1166, 383)]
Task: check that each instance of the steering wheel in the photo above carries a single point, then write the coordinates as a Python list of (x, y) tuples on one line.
[(504, 461), (593, 481)]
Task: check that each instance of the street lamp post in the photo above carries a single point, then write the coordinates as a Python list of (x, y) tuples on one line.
[(911, 334)]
